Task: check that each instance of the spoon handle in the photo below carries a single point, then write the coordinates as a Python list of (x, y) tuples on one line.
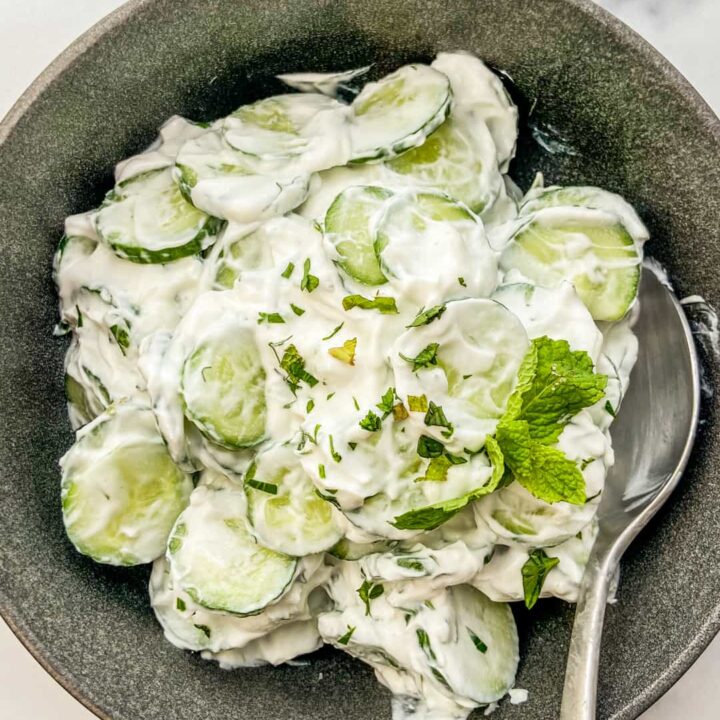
[(580, 691)]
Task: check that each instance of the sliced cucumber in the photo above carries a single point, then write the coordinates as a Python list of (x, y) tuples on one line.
[(330, 84), (241, 251), (121, 491), (540, 197), (427, 242), (223, 389), (147, 220), (398, 112), (479, 91), (556, 312), (589, 248), (479, 346), (457, 159), (287, 126), (285, 512), (223, 182), (350, 228), (216, 561), (478, 657)]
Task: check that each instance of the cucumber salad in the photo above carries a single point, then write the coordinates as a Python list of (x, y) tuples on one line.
[(341, 381)]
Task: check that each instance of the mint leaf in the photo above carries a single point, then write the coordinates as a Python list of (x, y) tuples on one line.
[(345, 639), (262, 486), (385, 305), (480, 646), (609, 409), (435, 416), (275, 318), (334, 332), (345, 353), (425, 317), (387, 402), (425, 358), (534, 574), (288, 271), (371, 422), (294, 365), (369, 591), (180, 604), (429, 447), (297, 310), (309, 282), (122, 337)]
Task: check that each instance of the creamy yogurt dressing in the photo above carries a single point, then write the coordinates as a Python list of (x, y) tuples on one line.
[(345, 390)]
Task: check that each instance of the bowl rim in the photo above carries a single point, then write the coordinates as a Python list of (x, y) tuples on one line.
[(115, 19)]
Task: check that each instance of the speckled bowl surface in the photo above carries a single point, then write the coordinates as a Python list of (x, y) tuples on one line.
[(632, 125)]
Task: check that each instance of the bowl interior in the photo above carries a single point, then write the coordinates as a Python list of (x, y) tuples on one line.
[(598, 107)]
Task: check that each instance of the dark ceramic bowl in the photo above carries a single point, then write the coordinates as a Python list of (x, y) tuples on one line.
[(635, 127)]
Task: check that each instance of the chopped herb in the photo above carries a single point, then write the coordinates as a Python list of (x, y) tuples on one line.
[(435, 416), (425, 358), (356, 403), (352, 445), (465, 377), (321, 471), (436, 470), (297, 310), (592, 497), (477, 642), (334, 332), (417, 403), (122, 337), (180, 604), (429, 447), (335, 455), (288, 271), (411, 564), (316, 430), (425, 317), (269, 488), (609, 408), (204, 629), (461, 280), (346, 353), (275, 318), (345, 639), (534, 574), (310, 405), (385, 305), (586, 462), (309, 282), (294, 365), (386, 402), (399, 412), (329, 396), (424, 642), (371, 422), (79, 317), (428, 604), (369, 591)]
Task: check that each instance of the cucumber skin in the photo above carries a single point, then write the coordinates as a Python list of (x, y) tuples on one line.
[(198, 244)]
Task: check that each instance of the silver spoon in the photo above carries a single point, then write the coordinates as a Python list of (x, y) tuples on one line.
[(652, 437)]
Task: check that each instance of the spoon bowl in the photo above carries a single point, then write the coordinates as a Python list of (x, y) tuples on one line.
[(652, 439)]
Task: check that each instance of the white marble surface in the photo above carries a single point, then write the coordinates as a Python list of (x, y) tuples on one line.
[(33, 32)]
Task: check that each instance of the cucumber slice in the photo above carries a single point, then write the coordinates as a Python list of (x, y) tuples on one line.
[(398, 112), (216, 561), (539, 197), (457, 159), (223, 182), (589, 248), (287, 126), (80, 406), (233, 254), (479, 346), (121, 491), (350, 229), (223, 389), (477, 656), (284, 511), (330, 84), (556, 312), (147, 220), (480, 92), (427, 242)]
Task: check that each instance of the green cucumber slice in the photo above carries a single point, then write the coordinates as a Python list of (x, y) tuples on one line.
[(478, 657), (217, 562), (457, 159), (147, 220), (284, 511), (479, 346), (350, 228), (289, 125), (589, 248), (121, 491), (223, 389), (224, 183), (398, 112)]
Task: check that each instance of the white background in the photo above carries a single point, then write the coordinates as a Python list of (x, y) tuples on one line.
[(33, 32)]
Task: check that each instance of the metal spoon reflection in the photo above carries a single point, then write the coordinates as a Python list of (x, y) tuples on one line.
[(652, 438)]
